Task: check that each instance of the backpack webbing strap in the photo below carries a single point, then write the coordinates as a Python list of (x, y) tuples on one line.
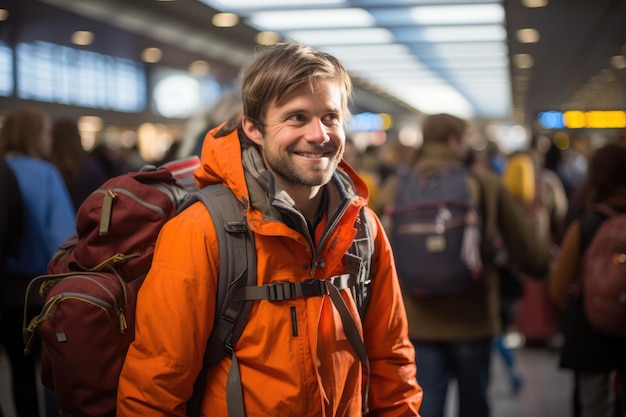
[(354, 337), (287, 290), (237, 268)]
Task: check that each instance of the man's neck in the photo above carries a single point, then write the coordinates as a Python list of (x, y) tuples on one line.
[(307, 200)]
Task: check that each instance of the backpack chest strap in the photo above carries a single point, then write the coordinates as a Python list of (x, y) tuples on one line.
[(287, 290)]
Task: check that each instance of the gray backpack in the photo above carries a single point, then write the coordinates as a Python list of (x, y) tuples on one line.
[(436, 232)]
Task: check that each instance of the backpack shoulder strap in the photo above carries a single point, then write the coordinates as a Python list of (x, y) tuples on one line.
[(590, 222), (237, 269)]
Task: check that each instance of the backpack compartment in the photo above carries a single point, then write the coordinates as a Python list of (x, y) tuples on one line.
[(435, 233), (85, 335)]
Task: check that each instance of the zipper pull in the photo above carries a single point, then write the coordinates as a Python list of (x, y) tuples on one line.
[(123, 323), (105, 215)]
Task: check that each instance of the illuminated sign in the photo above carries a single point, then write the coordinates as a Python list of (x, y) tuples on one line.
[(368, 122), (576, 119)]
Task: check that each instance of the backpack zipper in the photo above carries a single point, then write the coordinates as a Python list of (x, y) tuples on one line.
[(110, 194)]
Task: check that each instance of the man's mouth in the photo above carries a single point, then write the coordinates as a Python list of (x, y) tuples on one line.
[(312, 155)]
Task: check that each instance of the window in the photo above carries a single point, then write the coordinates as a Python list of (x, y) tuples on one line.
[(60, 74)]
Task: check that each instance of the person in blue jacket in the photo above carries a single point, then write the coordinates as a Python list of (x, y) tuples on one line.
[(49, 220)]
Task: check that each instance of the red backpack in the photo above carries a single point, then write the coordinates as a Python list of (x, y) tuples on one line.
[(87, 322), (603, 275)]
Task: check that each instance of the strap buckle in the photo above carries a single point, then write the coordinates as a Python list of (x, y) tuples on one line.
[(313, 287), (279, 291)]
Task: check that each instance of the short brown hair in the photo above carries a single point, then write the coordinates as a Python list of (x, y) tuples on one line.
[(437, 128), (21, 131), (282, 68)]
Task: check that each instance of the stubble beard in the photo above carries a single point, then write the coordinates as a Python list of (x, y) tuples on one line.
[(314, 176)]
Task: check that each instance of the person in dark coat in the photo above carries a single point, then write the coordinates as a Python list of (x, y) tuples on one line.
[(81, 171), (596, 359)]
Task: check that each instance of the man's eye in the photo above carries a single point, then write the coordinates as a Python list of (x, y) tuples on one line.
[(331, 118), (297, 117)]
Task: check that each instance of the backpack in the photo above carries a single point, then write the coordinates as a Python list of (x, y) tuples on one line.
[(83, 291), (603, 274), (436, 231), (92, 283)]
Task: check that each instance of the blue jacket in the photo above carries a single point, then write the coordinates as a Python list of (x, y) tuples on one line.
[(49, 215)]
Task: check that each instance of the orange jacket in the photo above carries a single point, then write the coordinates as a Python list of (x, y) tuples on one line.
[(293, 355)]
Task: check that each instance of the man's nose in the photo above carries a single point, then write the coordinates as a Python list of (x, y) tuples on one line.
[(317, 132)]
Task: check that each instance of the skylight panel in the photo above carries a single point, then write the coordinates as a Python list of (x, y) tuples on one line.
[(341, 36), (452, 34), (381, 52), (311, 19), (242, 5), (482, 14)]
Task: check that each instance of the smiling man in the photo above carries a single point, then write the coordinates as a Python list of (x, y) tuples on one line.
[(338, 351)]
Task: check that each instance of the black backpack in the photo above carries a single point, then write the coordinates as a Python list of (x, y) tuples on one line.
[(436, 231)]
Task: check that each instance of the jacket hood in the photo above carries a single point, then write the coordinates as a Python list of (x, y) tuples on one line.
[(222, 161)]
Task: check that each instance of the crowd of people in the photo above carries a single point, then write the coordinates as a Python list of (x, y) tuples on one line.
[(280, 145)]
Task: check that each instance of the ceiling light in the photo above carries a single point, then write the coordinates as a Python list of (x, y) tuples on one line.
[(151, 55), (267, 38), (527, 35), (225, 20), (523, 61), (199, 67), (4, 15), (311, 19), (535, 3), (82, 37)]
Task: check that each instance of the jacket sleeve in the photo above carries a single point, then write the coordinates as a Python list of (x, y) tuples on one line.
[(174, 316), (566, 266), (394, 390)]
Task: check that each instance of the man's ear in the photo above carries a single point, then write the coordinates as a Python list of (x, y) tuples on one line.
[(251, 131)]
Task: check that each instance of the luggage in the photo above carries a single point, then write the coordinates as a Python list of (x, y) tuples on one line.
[(538, 318), (436, 232)]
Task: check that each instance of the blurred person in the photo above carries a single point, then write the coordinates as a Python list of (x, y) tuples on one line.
[(453, 334), (592, 356), (511, 289), (110, 160), (541, 196), (228, 107), (283, 159), (25, 143), (81, 172), (354, 157)]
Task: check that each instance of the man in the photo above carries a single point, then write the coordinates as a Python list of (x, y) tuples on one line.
[(452, 334), (284, 163)]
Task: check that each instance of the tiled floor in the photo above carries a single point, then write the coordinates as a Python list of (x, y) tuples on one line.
[(546, 392)]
